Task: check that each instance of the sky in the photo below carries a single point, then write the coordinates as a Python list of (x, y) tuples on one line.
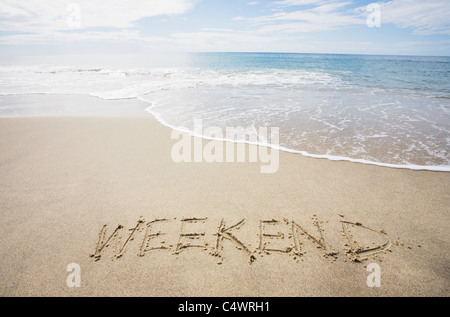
[(397, 27)]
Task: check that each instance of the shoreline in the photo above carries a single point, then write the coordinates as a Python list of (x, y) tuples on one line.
[(64, 179), (438, 168), (136, 107)]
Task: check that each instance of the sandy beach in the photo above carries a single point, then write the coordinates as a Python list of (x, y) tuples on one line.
[(69, 184)]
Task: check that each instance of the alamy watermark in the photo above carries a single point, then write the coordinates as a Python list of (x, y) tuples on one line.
[(189, 149), (374, 278), (74, 277), (374, 17), (73, 20)]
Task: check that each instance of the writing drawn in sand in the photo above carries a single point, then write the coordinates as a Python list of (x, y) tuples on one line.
[(273, 236)]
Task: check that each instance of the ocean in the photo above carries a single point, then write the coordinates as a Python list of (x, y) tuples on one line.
[(384, 110)]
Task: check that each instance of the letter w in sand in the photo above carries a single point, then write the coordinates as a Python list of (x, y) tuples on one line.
[(115, 237)]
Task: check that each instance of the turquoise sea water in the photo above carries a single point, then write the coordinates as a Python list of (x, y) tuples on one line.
[(385, 110)]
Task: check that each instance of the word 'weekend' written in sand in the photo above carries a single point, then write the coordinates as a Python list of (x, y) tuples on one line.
[(280, 236)]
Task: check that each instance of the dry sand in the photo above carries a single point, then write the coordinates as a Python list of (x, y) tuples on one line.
[(63, 179)]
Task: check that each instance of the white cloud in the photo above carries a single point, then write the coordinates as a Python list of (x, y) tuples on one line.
[(423, 17), (288, 3), (50, 15), (326, 16), (223, 41), (216, 30), (282, 30)]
